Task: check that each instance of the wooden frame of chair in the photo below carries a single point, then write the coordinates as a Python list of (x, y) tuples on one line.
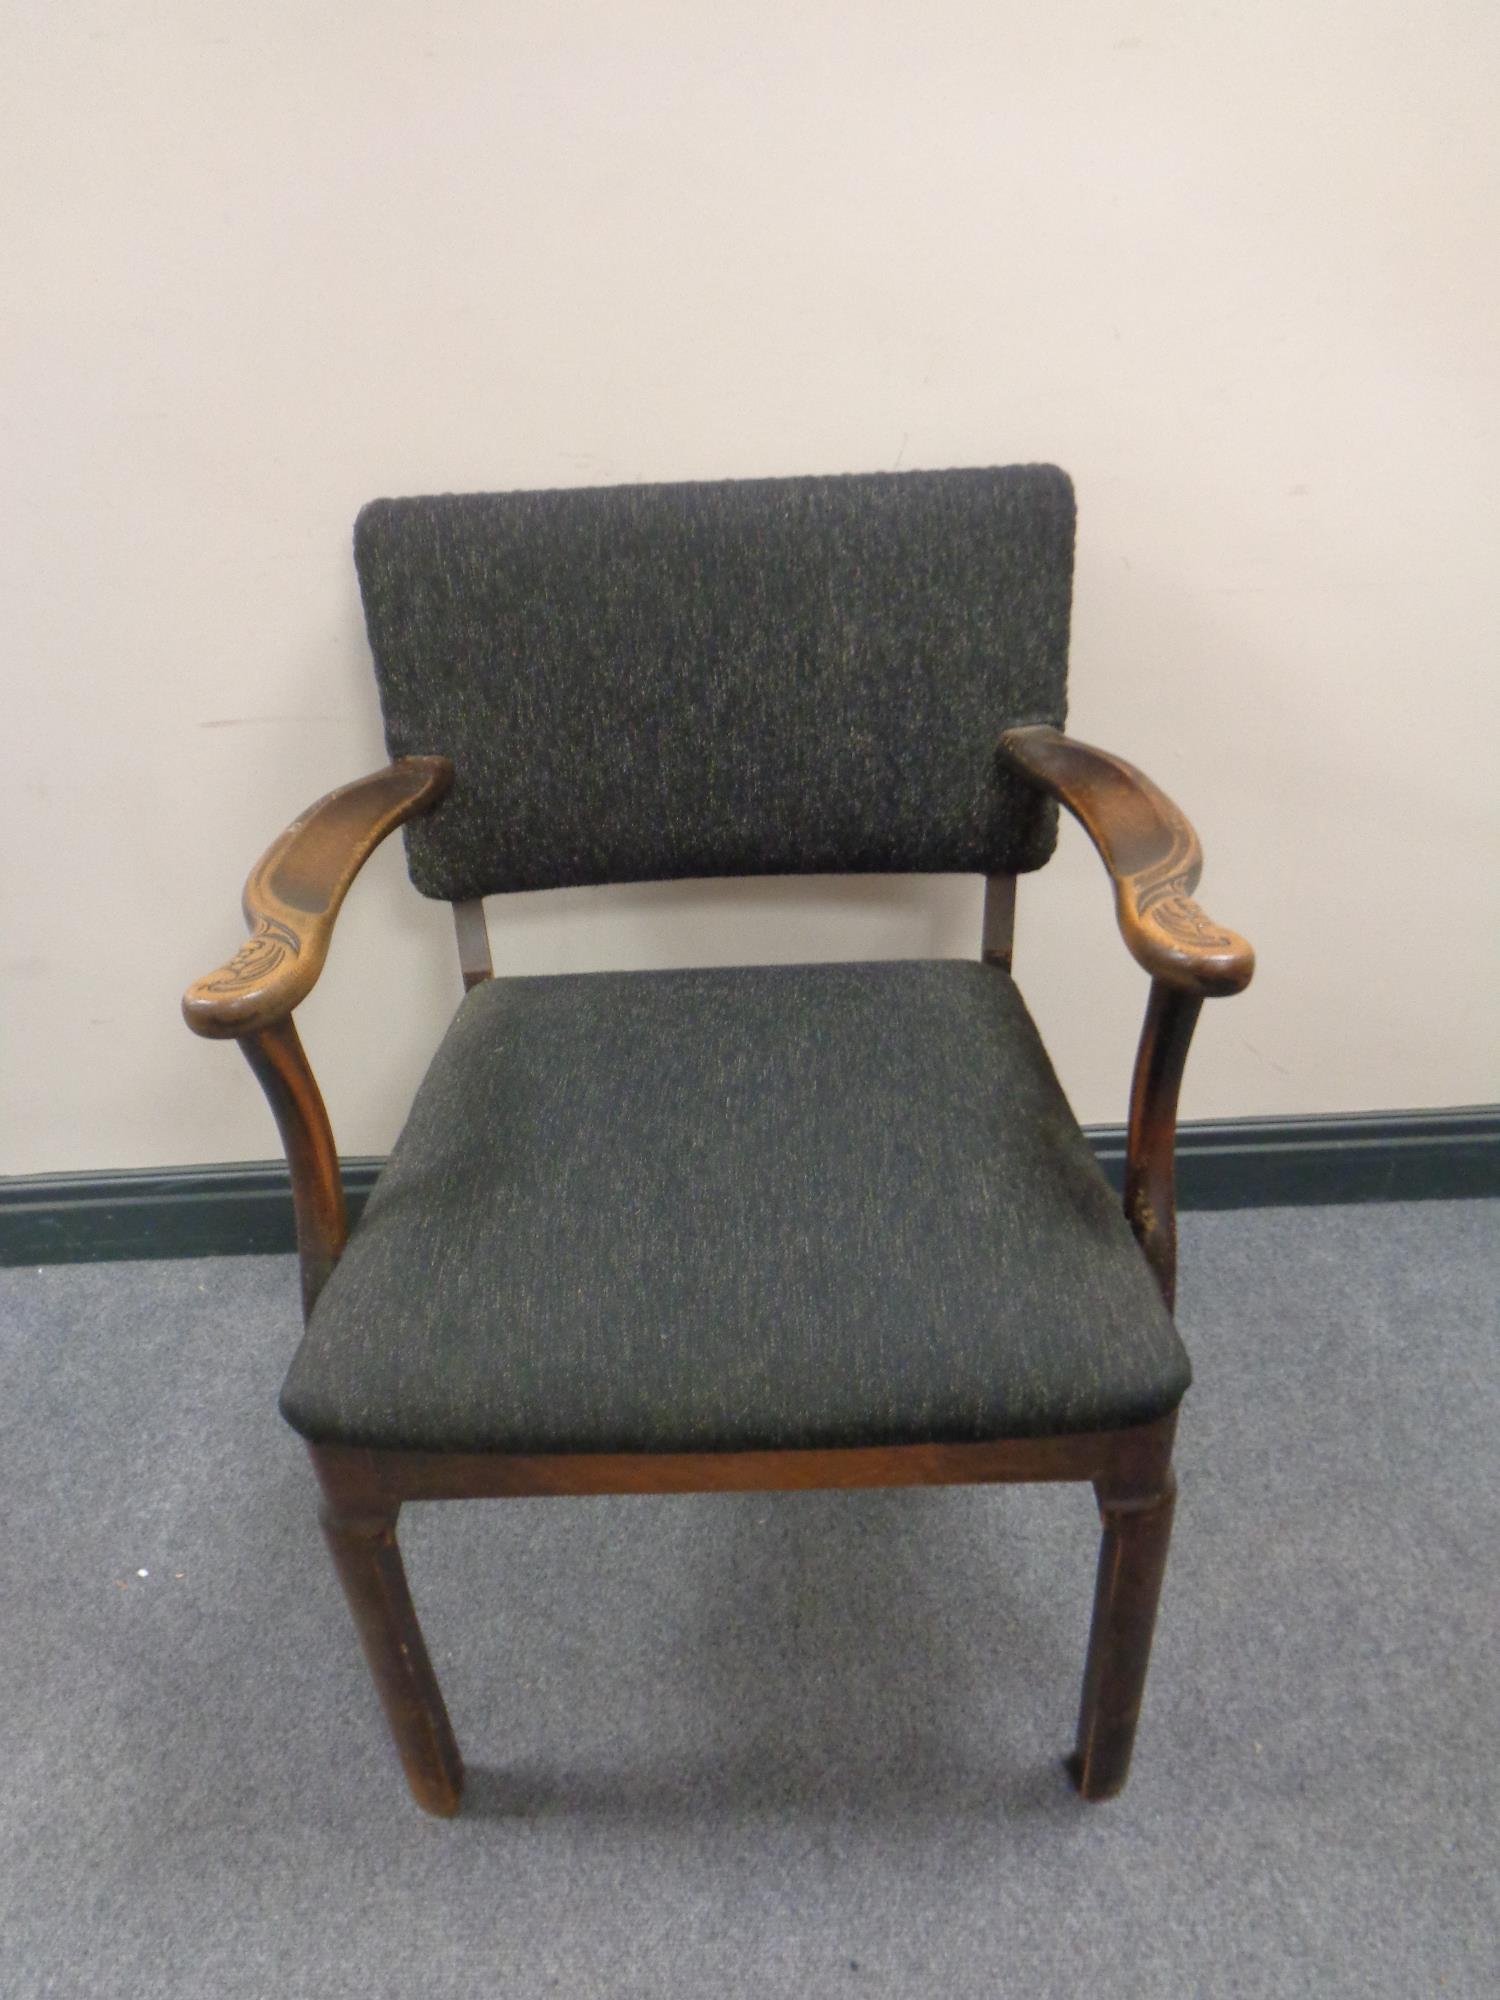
[(291, 901)]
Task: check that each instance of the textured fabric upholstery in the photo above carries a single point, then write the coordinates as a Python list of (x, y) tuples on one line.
[(778, 1206), (748, 677)]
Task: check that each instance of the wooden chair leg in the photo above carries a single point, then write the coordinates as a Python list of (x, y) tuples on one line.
[(1132, 1559), (362, 1540)]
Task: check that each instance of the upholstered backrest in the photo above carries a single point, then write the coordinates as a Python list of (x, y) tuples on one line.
[(760, 676)]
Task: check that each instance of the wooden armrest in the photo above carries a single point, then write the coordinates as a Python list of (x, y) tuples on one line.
[(294, 893), (1152, 855)]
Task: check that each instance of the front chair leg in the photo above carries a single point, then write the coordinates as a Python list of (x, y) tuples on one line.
[(361, 1536), (1132, 1559)]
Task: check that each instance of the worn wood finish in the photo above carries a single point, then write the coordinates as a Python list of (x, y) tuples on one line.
[(1132, 1560), (1129, 1469), (1151, 1141), (360, 1530), (1154, 861), (420, 1475), (291, 901), (997, 940), (1152, 855), (280, 1064), (473, 936), (294, 893)]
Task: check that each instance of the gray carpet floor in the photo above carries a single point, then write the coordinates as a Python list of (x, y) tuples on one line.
[(790, 1745)]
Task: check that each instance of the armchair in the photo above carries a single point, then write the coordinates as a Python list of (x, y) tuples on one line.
[(763, 1227)]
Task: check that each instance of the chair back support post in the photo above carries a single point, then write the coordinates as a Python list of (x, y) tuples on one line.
[(473, 936), (997, 937)]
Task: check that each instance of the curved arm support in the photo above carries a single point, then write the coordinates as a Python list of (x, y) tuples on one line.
[(1151, 1141), (1154, 861), (295, 891), (1151, 853), (285, 1075), (291, 900)]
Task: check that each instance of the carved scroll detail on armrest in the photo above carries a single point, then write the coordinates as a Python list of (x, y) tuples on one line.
[(267, 948), (294, 894), (1151, 853)]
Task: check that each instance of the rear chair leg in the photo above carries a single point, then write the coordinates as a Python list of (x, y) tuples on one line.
[(1132, 1558), (361, 1537)]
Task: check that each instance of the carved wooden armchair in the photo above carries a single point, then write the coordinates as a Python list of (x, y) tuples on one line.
[(766, 1227)]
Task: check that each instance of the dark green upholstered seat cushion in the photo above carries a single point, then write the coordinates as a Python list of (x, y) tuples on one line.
[(807, 1205)]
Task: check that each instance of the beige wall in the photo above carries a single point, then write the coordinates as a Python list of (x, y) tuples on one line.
[(1235, 268)]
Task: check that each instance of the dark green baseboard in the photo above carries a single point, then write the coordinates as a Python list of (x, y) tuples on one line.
[(226, 1211)]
